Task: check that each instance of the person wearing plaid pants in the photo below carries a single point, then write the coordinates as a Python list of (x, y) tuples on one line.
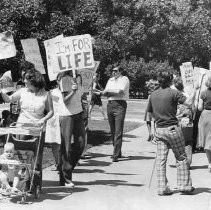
[(172, 137), (162, 106)]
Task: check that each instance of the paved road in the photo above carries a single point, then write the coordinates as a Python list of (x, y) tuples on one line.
[(103, 185), (135, 110)]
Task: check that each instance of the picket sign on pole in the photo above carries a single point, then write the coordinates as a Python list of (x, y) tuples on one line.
[(201, 76), (187, 74), (7, 45), (48, 50), (87, 76), (72, 53), (32, 53)]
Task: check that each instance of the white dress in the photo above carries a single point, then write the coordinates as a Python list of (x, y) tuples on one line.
[(32, 105), (53, 134)]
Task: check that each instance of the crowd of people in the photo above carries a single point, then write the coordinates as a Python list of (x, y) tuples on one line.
[(172, 112), (63, 114)]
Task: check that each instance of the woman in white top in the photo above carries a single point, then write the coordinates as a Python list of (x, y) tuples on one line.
[(35, 104)]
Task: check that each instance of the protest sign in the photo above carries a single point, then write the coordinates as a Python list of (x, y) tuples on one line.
[(187, 74), (87, 76), (48, 49), (6, 82), (201, 76), (72, 53), (32, 53), (7, 45), (66, 84)]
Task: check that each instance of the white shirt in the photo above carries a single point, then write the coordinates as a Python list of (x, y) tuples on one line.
[(58, 104), (32, 105), (121, 83)]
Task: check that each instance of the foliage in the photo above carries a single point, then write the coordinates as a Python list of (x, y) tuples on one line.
[(142, 35)]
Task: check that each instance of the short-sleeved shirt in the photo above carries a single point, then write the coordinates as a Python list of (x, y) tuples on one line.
[(74, 105), (122, 83), (163, 104), (206, 97)]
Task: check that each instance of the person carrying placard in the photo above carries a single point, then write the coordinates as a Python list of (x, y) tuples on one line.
[(163, 106), (71, 126)]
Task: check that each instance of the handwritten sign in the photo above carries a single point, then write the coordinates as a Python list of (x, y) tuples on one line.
[(7, 45), (201, 76), (72, 53), (32, 53), (87, 76), (48, 49), (187, 74)]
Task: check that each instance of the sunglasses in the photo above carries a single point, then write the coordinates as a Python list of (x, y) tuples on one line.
[(115, 70)]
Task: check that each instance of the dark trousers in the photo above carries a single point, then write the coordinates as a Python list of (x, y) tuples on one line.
[(116, 111), (195, 129), (70, 153)]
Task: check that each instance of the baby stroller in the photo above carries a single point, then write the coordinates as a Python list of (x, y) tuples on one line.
[(29, 144)]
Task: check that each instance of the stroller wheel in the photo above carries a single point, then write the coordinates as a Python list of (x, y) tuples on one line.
[(37, 191)]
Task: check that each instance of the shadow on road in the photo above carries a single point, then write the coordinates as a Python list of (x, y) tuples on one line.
[(136, 158), (95, 163), (112, 183), (201, 190), (192, 167), (83, 170), (198, 167), (129, 136), (52, 192)]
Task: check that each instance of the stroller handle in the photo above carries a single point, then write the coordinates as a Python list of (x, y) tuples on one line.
[(25, 125)]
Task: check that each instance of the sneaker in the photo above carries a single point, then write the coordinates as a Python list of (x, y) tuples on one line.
[(115, 160), (169, 192), (71, 185), (188, 192)]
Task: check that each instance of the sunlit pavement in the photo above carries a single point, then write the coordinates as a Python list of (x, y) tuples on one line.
[(128, 184)]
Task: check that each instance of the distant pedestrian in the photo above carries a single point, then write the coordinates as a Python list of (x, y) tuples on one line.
[(96, 97), (163, 105), (204, 131), (152, 85), (117, 92)]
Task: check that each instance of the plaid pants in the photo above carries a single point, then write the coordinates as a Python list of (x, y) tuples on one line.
[(172, 137)]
